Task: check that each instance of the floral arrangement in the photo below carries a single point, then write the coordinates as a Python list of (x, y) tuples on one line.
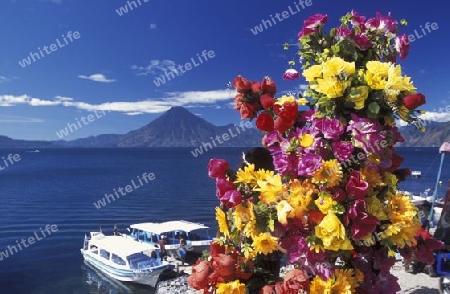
[(330, 207)]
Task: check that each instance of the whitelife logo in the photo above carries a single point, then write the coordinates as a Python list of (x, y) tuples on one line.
[(36, 56)]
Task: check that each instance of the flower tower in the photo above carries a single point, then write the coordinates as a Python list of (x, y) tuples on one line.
[(331, 206)]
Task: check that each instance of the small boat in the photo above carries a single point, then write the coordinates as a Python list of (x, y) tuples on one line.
[(416, 174), (34, 151), (196, 235), (124, 259)]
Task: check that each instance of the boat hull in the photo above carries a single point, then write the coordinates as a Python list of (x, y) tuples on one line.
[(149, 276)]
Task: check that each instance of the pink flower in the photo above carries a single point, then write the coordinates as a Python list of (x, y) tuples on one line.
[(343, 32), (358, 20), (223, 186), (231, 198), (315, 21), (402, 46), (217, 168), (306, 32), (356, 187), (362, 42), (291, 74)]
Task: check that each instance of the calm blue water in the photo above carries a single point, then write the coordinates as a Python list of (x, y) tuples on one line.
[(59, 186)]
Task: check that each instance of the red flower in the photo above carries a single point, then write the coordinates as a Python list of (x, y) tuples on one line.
[(266, 101), (217, 168), (256, 87), (291, 74), (224, 266), (296, 280), (231, 198), (397, 160), (268, 87), (216, 249), (315, 217), (363, 223), (289, 110), (413, 101), (356, 187), (282, 125), (402, 45), (265, 122), (339, 195), (223, 186), (200, 273), (241, 84), (244, 268), (238, 101), (247, 111)]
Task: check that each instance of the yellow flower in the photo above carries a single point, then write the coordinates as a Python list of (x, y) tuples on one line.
[(400, 208), (332, 87), (359, 276), (371, 176), (329, 174), (250, 229), (235, 287), (403, 234), (283, 210), (306, 140), (390, 179), (332, 233), (345, 281), (302, 101), (312, 72), (242, 214), (324, 203), (271, 189), (246, 175), (337, 66), (300, 197), (375, 208), (265, 243), (262, 174), (282, 99), (397, 82), (320, 286), (378, 68), (358, 95), (222, 222)]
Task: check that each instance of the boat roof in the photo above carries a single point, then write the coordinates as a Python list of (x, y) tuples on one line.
[(119, 245), (159, 228)]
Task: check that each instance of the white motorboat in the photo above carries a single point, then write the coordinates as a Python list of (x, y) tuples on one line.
[(124, 259), (196, 235)]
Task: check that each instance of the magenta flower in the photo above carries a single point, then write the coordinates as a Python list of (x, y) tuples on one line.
[(331, 128), (356, 187), (231, 198), (291, 74), (342, 150), (312, 23), (309, 163), (223, 186), (362, 42), (217, 168), (315, 21), (358, 20), (387, 23), (285, 164), (426, 248), (367, 132), (362, 223), (343, 33), (402, 45), (339, 194)]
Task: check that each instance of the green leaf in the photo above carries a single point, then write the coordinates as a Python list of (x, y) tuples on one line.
[(286, 46), (374, 108), (271, 225), (404, 22)]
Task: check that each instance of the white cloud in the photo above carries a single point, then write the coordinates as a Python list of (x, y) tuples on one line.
[(156, 67), (429, 117), (149, 105), (19, 119), (4, 79), (97, 78)]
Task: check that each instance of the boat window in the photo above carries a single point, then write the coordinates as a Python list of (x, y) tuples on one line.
[(200, 234), (105, 254), (141, 236), (94, 249), (118, 259), (141, 260)]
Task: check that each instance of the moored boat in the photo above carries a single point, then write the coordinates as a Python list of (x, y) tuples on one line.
[(196, 235), (124, 259)]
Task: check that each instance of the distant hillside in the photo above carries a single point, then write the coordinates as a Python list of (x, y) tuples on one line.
[(435, 134), (180, 128)]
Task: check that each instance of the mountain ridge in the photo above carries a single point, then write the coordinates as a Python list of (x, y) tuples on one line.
[(178, 127)]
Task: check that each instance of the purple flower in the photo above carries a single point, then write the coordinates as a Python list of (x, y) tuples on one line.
[(367, 132), (342, 150), (315, 21), (291, 74), (231, 198), (271, 138), (331, 128), (310, 25), (343, 32), (309, 163), (358, 20), (402, 46), (285, 164), (362, 42)]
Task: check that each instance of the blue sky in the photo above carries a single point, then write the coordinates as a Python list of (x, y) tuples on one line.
[(115, 59)]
